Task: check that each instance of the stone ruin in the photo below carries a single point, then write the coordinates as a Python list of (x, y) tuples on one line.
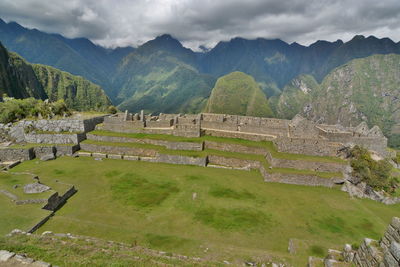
[(298, 135)]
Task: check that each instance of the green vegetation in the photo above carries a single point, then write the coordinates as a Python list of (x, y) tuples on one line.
[(238, 93), (367, 86), (21, 79), (224, 218), (84, 251), (376, 174), (16, 109), (134, 190)]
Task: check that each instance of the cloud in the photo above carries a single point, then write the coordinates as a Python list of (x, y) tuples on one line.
[(132, 22)]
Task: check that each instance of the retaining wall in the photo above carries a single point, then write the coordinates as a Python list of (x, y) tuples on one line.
[(55, 138), (119, 150), (234, 148), (168, 144), (307, 146), (233, 162), (246, 136), (305, 165), (177, 159), (44, 150), (298, 179), (10, 154)]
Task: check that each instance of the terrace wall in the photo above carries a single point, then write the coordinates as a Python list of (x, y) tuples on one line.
[(299, 179), (233, 162), (316, 147), (305, 164), (13, 154), (119, 150)]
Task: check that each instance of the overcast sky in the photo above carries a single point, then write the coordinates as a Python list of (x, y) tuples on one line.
[(205, 22)]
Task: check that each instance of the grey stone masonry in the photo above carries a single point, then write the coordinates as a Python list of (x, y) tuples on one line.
[(298, 135)]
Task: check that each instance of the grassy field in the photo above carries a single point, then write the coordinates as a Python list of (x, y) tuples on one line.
[(235, 215), (22, 217)]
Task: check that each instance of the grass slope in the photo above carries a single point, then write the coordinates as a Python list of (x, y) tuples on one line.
[(235, 215)]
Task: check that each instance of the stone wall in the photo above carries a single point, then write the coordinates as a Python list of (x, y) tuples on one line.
[(11, 154), (385, 252), (305, 164), (61, 138), (62, 125), (119, 150), (195, 146), (55, 201), (234, 148), (316, 147), (241, 135), (178, 159), (66, 150), (298, 179), (233, 162), (44, 151)]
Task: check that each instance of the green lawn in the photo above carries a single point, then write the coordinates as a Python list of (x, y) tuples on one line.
[(268, 145), (22, 217), (235, 217)]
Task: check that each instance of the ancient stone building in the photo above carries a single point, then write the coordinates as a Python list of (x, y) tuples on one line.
[(298, 135)]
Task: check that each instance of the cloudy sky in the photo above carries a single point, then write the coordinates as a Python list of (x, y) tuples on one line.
[(205, 22)]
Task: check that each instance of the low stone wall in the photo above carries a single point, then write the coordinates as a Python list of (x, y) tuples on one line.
[(40, 223), (241, 135), (305, 164), (55, 138), (119, 150), (298, 179), (234, 148), (63, 125), (66, 150), (307, 146), (9, 154), (233, 162), (44, 151), (168, 144), (55, 201), (177, 159)]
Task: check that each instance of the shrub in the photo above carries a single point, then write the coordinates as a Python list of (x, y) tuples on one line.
[(16, 109), (376, 174), (112, 110)]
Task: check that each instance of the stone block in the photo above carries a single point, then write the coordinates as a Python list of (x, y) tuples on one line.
[(114, 156), (84, 154), (389, 260), (5, 255), (148, 159), (47, 157), (395, 250), (395, 223), (99, 155), (131, 157)]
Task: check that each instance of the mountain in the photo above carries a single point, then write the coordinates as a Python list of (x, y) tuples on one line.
[(294, 96), (20, 79), (365, 89), (238, 93), (77, 56), (161, 76)]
